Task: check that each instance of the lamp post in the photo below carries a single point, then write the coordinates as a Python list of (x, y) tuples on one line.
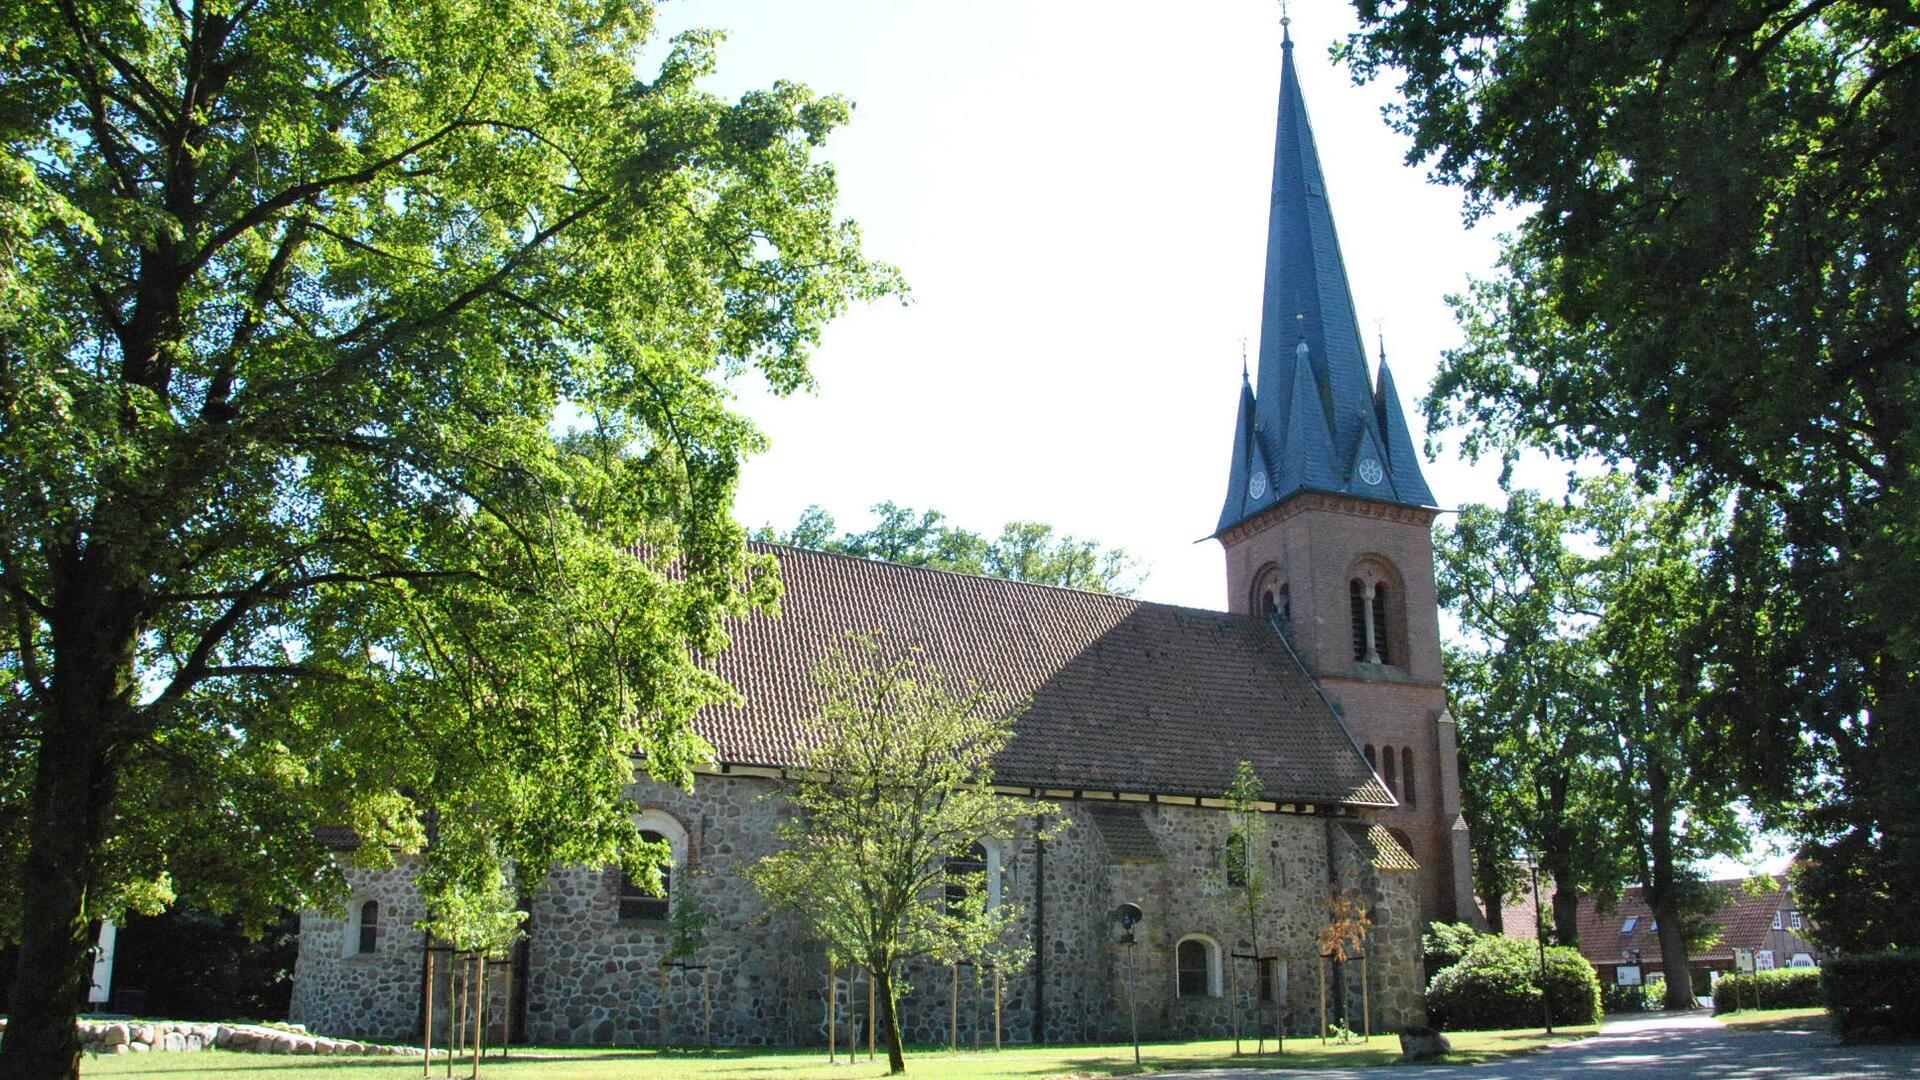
[(1129, 916), (1540, 938)]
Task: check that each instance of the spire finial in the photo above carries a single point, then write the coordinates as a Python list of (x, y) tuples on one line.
[(1243, 359), (1380, 330), (1286, 21)]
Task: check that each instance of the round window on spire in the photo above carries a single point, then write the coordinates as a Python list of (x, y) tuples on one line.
[(1257, 486)]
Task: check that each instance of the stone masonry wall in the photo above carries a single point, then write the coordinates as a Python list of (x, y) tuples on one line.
[(592, 978)]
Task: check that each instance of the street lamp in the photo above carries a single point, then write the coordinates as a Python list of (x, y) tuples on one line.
[(1540, 937), (1129, 916)]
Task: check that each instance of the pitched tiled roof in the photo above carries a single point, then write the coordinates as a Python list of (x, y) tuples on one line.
[(1123, 695), (1387, 852), (1744, 920)]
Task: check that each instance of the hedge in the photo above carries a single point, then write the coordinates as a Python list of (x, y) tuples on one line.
[(1630, 999), (1779, 988), (1497, 985), (1875, 995)]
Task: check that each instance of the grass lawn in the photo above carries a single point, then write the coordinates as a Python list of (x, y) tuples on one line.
[(566, 1063), (1776, 1019)]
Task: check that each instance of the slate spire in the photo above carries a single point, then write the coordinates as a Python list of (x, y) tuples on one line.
[(1338, 431)]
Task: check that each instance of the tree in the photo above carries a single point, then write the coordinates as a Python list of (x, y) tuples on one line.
[(1524, 688), (1247, 873), (1713, 280), (364, 450), (897, 779), (1024, 550), (1677, 800)]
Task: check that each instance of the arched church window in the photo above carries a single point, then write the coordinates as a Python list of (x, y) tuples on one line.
[(1372, 761), (965, 874), (369, 926), (1197, 964), (1269, 605), (637, 899), (1389, 775), (1406, 774)]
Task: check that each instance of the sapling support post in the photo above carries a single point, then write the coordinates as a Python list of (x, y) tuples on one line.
[(1323, 1001), (872, 1017), (833, 994), (426, 1022), (996, 1007)]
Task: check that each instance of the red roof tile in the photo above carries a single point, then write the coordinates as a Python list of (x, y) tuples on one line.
[(1123, 695), (1744, 920)]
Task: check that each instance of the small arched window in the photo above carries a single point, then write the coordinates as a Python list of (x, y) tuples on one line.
[(1197, 961), (369, 928), (1405, 841), (1391, 776), (965, 875), (1372, 761), (1406, 774), (637, 901)]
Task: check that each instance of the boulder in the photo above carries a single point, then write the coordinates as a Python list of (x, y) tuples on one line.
[(302, 1045), (115, 1035), (241, 1040), (1423, 1044), (172, 1042), (222, 1036), (145, 1033), (139, 1047)]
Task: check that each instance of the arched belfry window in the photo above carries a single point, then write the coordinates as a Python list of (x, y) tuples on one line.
[(1270, 600), (1406, 775), (1389, 774), (1372, 761), (1373, 612), (1380, 635)]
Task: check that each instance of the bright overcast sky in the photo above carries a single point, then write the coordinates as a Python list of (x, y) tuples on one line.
[(1077, 195)]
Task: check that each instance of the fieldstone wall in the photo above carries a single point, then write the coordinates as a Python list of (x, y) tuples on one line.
[(593, 978)]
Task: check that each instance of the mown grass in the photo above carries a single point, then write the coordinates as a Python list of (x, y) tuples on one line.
[(1776, 1019), (1013, 1063)]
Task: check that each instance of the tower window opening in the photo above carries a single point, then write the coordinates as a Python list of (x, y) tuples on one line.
[(1406, 774), (1379, 626), (1391, 777), (1358, 605)]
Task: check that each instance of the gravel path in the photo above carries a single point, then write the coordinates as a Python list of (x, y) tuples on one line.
[(1685, 1046)]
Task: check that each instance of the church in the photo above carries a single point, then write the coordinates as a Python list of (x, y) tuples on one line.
[(1324, 672)]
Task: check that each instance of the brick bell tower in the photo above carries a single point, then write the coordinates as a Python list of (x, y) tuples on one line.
[(1327, 520)]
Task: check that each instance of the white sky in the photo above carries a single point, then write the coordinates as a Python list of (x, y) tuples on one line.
[(1077, 194)]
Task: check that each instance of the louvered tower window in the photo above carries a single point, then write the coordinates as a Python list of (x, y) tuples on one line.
[(1357, 601)]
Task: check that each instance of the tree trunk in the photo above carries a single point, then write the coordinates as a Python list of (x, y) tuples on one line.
[(92, 687), (1662, 895), (1566, 906), (890, 1020)]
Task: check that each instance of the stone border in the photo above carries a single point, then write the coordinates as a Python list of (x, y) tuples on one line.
[(144, 1036)]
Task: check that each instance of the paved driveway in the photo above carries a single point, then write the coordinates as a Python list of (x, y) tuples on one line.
[(1686, 1046)]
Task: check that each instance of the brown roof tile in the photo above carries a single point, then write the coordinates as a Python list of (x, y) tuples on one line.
[(1124, 695), (1126, 835), (1744, 920)]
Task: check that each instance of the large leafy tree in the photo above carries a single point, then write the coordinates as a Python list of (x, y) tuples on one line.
[(1024, 550), (364, 449), (1524, 687), (1715, 279), (1672, 763), (897, 779)]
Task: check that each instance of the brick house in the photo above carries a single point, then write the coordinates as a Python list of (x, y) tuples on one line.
[(1324, 672), (1623, 946)]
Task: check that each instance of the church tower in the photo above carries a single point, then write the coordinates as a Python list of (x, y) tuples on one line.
[(1327, 519)]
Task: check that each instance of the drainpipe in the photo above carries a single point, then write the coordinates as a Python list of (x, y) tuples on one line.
[(1039, 936)]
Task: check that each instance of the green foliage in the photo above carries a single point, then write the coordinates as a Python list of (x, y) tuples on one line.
[(1445, 943), (1024, 550), (1615, 998), (365, 448), (1713, 281), (897, 778), (1874, 995), (1497, 985), (1778, 988)]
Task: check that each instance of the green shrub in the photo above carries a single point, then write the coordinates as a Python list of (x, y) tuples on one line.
[(1875, 995), (1780, 988), (1630, 999), (1444, 944), (1497, 985)]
